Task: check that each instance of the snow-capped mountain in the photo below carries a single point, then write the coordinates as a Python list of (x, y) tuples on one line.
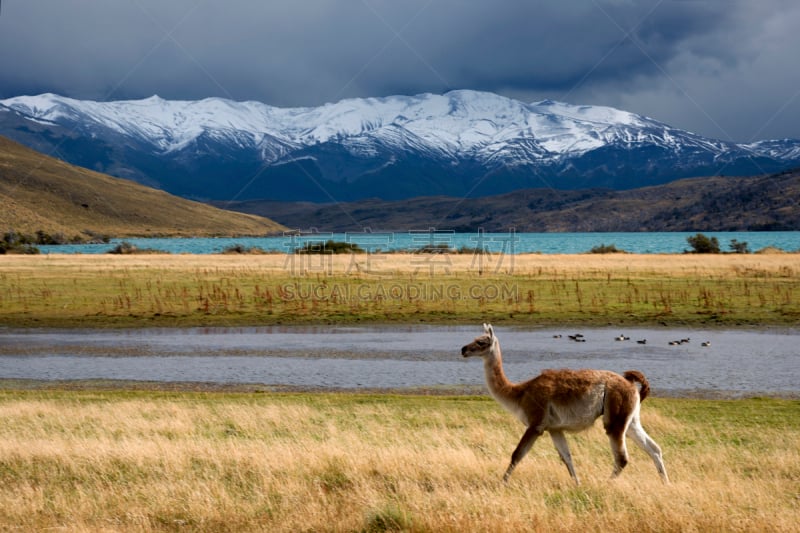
[(460, 143)]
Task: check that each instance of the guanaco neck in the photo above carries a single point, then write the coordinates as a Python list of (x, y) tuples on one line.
[(496, 379)]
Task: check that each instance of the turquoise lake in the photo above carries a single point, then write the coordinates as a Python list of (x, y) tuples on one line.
[(509, 242)]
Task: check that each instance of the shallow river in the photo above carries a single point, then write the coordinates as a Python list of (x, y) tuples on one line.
[(737, 362)]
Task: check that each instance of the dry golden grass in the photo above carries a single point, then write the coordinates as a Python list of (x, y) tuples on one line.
[(82, 290), (699, 266), (121, 461)]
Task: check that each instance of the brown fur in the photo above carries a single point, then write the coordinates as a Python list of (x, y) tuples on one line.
[(635, 375), (568, 400)]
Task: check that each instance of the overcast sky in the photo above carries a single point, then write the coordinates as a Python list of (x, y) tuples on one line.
[(728, 69)]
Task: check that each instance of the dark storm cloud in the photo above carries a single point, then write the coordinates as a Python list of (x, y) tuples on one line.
[(724, 68)]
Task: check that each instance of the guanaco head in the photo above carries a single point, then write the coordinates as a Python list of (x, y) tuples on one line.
[(482, 345)]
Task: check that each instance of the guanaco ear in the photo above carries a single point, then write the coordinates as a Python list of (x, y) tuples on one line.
[(489, 331)]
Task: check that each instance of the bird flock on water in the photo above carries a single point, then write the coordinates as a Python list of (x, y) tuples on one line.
[(580, 337)]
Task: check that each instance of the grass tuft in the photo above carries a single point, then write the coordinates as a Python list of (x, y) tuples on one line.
[(389, 517)]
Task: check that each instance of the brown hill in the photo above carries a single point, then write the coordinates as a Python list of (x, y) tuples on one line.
[(40, 193), (769, 202)]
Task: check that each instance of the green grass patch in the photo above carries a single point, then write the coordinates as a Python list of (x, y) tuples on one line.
[(144, 294)]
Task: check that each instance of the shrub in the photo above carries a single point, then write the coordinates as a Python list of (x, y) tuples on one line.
[(330, 247), (17, 243), (126, 248), (94, 237), (606, 249), (739, 247), (240, 249), (45, 238), (441, 248), (703, 245)]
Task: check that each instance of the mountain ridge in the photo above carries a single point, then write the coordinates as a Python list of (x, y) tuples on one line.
[(461, 143), (42, 194), (755, 203)]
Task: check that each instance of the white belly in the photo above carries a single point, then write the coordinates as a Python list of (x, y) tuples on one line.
[(575, 416)]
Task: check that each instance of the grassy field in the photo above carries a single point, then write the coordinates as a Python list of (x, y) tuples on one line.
[(233, 290), (125, 460), (158, 461)]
